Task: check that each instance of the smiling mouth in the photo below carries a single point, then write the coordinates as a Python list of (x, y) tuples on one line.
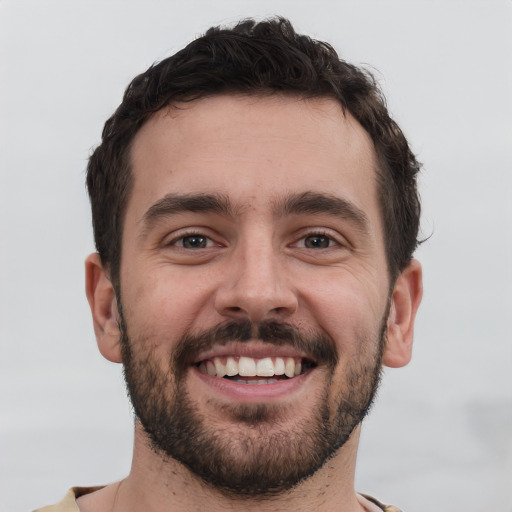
[(248, 370)]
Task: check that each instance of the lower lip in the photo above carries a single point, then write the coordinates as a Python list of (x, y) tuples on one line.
[(252, 392)]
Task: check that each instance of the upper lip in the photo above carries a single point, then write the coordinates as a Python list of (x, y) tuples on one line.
[(254, 349)]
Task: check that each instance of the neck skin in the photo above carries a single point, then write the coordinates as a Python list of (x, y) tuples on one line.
[(157, 485)]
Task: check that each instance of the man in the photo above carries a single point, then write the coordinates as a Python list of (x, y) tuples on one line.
[(255, 213)]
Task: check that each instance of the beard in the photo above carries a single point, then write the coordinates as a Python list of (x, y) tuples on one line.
[(268, 449)]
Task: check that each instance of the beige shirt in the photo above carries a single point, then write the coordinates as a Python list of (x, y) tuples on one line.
[(68, 503)]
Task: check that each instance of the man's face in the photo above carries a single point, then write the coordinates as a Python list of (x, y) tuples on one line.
[(253, 246)]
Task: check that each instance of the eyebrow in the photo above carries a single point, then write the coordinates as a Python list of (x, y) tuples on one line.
[(173, 204), (296, 204), (319, 203)]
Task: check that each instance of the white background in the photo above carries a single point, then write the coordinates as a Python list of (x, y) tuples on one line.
[(440, 437)]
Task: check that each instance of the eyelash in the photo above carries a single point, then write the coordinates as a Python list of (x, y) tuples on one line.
[(189, 234), (315, 233), (320, 233)]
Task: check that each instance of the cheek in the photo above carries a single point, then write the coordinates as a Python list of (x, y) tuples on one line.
[(346, 307), (162, 304)]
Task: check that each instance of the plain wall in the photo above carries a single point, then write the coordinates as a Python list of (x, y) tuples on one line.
[(440, 436)]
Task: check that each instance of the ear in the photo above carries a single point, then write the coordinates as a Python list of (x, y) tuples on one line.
[(405, 301), (102, 301)]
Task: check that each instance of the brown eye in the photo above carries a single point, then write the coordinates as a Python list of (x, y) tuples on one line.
[(194, 242), (317, 242)]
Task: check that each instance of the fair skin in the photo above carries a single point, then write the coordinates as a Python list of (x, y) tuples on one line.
[(252, 259)]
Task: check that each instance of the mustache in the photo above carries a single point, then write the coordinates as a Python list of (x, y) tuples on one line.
[(320, 347)]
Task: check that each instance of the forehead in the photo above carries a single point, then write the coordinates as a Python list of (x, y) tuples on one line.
[(255, 150)]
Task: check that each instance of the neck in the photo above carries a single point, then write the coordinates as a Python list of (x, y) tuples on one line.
[(157, 484)]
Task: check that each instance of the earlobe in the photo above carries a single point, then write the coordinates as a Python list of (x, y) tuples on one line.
[(405, 301), (102, 301)]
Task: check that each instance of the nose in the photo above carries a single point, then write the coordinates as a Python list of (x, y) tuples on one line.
[(256, 286)]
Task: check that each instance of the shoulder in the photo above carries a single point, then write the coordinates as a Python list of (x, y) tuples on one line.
[(68, 503), (377, 505)]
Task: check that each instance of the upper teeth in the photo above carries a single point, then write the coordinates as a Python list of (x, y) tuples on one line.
[(250, 367)]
